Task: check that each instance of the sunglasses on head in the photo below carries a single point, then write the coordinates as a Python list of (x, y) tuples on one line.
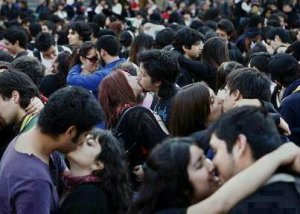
[(93, 59)]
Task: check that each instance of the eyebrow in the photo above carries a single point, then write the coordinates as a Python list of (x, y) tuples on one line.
[(198, 160)]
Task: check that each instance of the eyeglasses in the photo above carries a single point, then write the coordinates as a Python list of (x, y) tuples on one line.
[(93, 59)]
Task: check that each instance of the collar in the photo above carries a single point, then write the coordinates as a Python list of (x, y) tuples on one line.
[(26, 121)]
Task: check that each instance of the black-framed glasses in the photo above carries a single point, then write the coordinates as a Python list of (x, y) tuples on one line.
[(93, 59)]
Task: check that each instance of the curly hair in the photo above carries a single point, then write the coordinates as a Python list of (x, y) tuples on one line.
[(115, 175)]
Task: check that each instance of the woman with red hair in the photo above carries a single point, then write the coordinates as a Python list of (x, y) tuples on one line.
[(138, 127)]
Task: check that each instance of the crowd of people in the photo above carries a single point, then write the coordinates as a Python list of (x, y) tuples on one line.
[(142, 106)]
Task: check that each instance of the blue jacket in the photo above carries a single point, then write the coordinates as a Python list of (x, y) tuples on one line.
[(90, 82), (290, 111)]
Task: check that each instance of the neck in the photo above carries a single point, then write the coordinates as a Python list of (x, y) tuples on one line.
[(39, 144), (187, 56), (20, 116), (110, 59), (20, 50), (77, 171)]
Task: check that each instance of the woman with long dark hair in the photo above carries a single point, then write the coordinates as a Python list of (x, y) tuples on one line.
[(195, 107), (180, 180), (85, 58), (140, 44), (98, 181), (57, 80)]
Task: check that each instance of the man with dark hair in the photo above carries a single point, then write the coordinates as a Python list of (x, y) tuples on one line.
[(47, 50), (239, 138), (64, 122), (158, 73), (108, 47), (189, 44), (277, 37), (10, 10), (285, 71), (16, 92), (225, 30), (15, 40), (34, 30), (30, 66), (246, 83)]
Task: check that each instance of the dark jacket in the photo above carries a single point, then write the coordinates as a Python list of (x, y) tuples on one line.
[(195, 71), (279, 197), (290, 110)]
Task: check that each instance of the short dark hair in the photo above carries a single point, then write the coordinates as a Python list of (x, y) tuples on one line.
[(259, 129), (281, 33), (35, 29), (161, 66), (251, 83), (226, 25), (223, 70), (12, 80), (14, 34), (164, 37), (186, 37), (69, 106), (260, 61), (110, 44), (44, 41), (284, 68), (30, 66), (83, 29)]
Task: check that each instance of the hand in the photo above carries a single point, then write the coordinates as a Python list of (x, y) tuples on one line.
[(138, 171), (269, 48), (284, 126), (35, 106), (247, 102)]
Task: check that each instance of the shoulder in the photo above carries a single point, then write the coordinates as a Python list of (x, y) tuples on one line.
[(277, 197)]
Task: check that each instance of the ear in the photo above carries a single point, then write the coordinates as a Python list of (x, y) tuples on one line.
[(236, 95), (241, 147), (185, 49), (97, 165), (157, 83), (15, 96), (82, 59), (71, 132)]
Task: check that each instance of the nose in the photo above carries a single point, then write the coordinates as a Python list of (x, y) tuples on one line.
[(209, 164)]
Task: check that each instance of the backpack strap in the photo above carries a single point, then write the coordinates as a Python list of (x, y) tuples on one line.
[(122, 117)]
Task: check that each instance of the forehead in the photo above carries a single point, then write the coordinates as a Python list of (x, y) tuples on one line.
[(195, 153), (216, 142)]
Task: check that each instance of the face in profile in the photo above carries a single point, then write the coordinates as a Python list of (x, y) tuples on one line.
[(216, 107), (74, 38), (145, 81), (91, 60), (8, 111), (201, 174), (72, 143), (228, 97), (223, 160), (85, 155), (132, 81)]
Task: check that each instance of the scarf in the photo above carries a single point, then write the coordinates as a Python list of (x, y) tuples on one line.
[(72, 182)]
